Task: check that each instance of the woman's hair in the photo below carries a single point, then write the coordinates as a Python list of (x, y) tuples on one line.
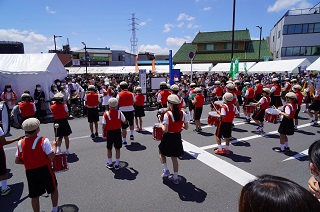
[(314, 154), (5, 88), (270, 193), (176, 113), (52, 87)]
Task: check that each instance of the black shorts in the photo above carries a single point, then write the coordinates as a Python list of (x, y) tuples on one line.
[(114, 138), (139, 111), (286, 126), (64, 128), (248, 101), (171, 145), (3, 166), (258, 96), (191, 106), (308, 99), (275, 101), (315, 105), (259, 115), (296, 115), (93, 115), (224, 129), (198, 113), (41, 180), (129, 117)]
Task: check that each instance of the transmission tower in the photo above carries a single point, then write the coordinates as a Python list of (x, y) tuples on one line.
[(134, 39)]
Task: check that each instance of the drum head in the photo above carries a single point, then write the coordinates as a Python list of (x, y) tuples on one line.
[(4, 117), (212, 113), (272, 111), (218, 102)]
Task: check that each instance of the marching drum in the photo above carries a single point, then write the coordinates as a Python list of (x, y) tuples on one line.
[(271, 115), (161, 113), (4, 117), (59, 163), (249, 109), (218, 104), (213, 118), (157, 132)]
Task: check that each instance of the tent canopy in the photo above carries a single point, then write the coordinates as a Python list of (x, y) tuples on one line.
[(24, 71), (201, 67), (116, 69), (315, 66), (225, 67), (278, 66)]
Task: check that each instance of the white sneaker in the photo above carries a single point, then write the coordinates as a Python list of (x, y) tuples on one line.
[(165, 173), (67, 152), (58, 150)]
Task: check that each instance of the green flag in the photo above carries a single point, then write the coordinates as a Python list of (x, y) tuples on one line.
[(235, 68), (231, 68)]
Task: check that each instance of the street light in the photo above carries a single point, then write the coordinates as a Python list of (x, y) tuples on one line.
[(233, 23), (260, 27), (55, 45), (85, 56)]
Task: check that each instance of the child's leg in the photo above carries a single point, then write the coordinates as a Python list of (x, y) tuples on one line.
[(66, 140), (54, 198), (140, 120), (35, 204)]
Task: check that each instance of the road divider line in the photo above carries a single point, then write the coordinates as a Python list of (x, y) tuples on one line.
[(297, 156)]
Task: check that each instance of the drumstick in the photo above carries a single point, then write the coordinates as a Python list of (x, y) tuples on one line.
[(56, 126)]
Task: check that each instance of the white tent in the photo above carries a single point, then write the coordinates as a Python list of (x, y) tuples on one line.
[(225, 67), (24, 71), (315, 66), (201, 67), (278, 66), (116, 69)]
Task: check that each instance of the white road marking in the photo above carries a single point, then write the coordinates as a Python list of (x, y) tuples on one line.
[(299, 155)]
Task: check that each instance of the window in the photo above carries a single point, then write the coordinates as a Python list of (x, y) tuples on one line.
[(302, 51), (310, 29), (291, 29), (298, 29), (308, 51), (272, 38), (279, 33), (285, 29), (289, 51), (316, 50), (283, 52), (277, 55), (227, 46), (210, 47), (317, 27), (236, 46), (296, 51), (305, 28)]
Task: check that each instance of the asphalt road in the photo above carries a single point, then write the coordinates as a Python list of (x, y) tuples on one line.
[(209, 182)]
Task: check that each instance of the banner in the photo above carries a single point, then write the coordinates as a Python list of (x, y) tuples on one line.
[(231, 68), (153, 66), (235, 68), (174, 74), (136, 65), (143, 80)]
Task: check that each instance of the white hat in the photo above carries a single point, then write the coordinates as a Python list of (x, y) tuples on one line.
[(237, 81), (197, 90), (123, 83), (230, 86), (58, 95), (275, 80), (192, 84), (291, 95), (229, 81), (138, 88), (228, 97), (294, 80), (113, 102), (256, 81), (91, 87), (30, 124), (163, 83), (247, 83), (267, 90), (174, 87), (217, 82), (173, 99), (297, 87), (24, 95)]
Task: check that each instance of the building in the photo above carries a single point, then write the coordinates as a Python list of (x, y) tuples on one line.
[(11, 47), (215, 47), (148, 59), (297, 35)]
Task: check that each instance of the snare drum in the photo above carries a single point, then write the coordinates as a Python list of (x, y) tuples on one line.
[(157, 132), (213, 118), (161, 113), (249, 109), (4, 117), (218, 104), (271, 115), (59, 163)]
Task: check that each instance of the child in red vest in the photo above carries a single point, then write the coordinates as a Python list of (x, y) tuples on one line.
[(139, 108), (264, 103), (35, 153), (27, 108), (297, 89), (92, 100), (198, 102), (111, 127)]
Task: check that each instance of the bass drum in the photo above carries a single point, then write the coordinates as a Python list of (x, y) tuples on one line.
[(4, 117)]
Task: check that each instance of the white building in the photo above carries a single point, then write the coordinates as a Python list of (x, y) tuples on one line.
[(297, 35)]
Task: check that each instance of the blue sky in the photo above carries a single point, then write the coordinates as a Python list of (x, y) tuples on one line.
[(162, 25)]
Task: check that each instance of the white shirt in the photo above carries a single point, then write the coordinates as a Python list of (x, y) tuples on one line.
[(46, 147), (1, 132), (166, 119), (122, 117), (224, 112)]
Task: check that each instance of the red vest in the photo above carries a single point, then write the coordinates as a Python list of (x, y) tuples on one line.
[(125, 98), (92, 99), (31, 153), (288, 87), (299, 98), (238, 91), (139, 100), (200, 100), (234, 100), (181, 103), (58, 111), (266, 103), (27, 109), (293, 109), (230, 112), (219, 91), (277, 91), (251, 93), (113, 120), (259, 88), (164, 96), (174, 126)]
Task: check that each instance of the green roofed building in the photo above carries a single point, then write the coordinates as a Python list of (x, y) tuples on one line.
[(215, 47)]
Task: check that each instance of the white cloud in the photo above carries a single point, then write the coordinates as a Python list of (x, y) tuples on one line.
[(280, 5), (167, 27), (178, 41), (180, 25), (206, 8), (154, 49), (74, 33), (143, 23), (192, 26), (50, 11), (186, 17)]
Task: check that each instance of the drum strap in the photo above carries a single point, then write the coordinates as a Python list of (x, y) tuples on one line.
[(226, 107), (33, 145), (108, 115), (171, 115)]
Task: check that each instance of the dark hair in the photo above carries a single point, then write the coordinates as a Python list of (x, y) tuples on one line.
[(125, 86), (176, 113), (30, 132), (26, 91), (314, 154), (5, 88), (270, 193), (162, 87)]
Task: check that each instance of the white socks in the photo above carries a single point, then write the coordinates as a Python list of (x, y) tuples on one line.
[(117, 162), (286, 144), (55, 209), (131, 132), (175, 175), (164, 166), (109, 160), (4, 185), (220, 147), (282, 146)]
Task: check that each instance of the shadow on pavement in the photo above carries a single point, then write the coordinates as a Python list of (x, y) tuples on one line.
[(275, 136), (206, 134), (241, 143), (187, 156), (144, 132), (99, 139), (71, 158), (9, 174), (69, 208), (304, 132), (125, 173), (135, 146), (186, 190), (239, 130), (238, 158), (13, 199)]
